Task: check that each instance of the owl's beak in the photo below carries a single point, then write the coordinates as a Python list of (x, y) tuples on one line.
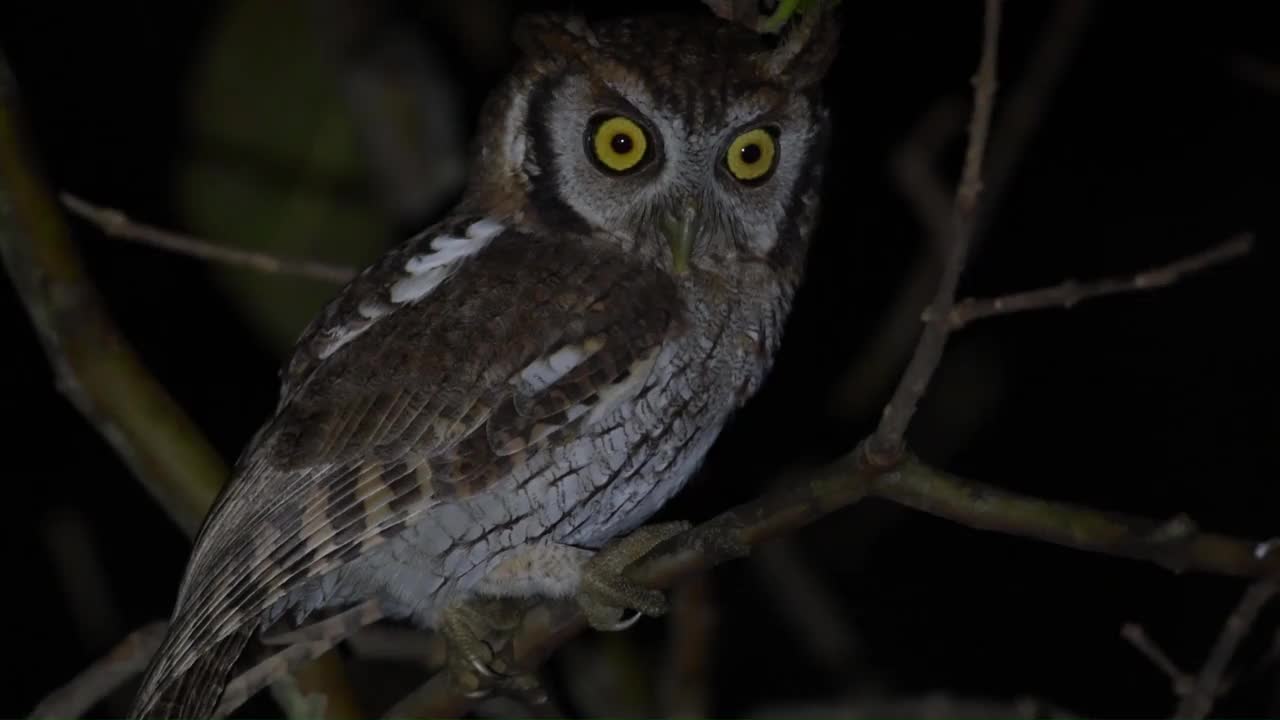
[(681, 229)]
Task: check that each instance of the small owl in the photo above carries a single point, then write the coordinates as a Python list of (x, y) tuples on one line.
[(500, 402)]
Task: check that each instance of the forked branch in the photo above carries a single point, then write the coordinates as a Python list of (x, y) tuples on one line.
[(1070, 293), (878, 466), (95, 367), (886, 445)]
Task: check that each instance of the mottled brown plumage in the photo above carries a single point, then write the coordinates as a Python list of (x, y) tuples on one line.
[(509, 391)]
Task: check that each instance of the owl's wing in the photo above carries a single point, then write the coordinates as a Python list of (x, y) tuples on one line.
[(410, 390)]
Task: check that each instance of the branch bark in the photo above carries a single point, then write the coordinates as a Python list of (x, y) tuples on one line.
[(1199, 702), (886, 445), (95, 367), (104, 676), (116, 224), (914, 169), (878, 466), (1070, 292), (1176, 545)]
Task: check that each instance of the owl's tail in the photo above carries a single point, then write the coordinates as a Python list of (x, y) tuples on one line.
[(195, 692)]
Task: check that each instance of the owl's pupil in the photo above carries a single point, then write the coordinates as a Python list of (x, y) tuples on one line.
[(751, 154), (621, 144)]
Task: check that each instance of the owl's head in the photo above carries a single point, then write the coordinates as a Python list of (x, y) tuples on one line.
[(688, 140)]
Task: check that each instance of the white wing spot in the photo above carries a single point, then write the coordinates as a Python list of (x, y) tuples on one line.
[(415, 287), (545, 371), (425, 273), (427, 270), (371, 310)]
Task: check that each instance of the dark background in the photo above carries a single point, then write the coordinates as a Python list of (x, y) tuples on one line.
[(1159, 141)]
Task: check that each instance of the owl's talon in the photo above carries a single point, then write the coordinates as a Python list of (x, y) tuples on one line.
[(473, 667), (605, 594), (482, 668), (625, 624)]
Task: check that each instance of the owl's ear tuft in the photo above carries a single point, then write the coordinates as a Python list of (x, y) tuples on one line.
[(807, 48), (555, 34)]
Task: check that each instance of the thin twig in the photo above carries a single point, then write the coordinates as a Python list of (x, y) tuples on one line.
[(1143, 643), (915, 172), (885, 446), (1024, 106), (1199, 702), (96, 368), (1176, 546), (889, 474), (301, 647), (104, 676), (1070, 293), (116, 224)]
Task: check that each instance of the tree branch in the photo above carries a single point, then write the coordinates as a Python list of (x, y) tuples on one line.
[(1199, 701), (1069, 293), (1176, 545), (104, 676), (1152, 651), (95, 367), (913, 167), (116, 224), (880, 466), (886, 446)]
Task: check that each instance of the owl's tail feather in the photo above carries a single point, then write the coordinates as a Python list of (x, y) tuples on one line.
[(194, 693)]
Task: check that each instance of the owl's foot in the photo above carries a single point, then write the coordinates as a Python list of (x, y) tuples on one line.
[(605, 595), (475, 670)]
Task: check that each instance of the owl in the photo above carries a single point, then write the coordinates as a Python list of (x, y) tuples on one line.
[(493, 408)]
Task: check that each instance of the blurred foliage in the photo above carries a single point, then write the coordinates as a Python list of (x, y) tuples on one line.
[(273, 162)]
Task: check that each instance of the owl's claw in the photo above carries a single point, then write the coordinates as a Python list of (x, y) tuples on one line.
[(474, 669), (624, 624), (605, 595)]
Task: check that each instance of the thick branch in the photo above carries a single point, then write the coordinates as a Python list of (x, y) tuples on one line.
[(886, 445), (116, 224), (96, 368), (1177, 545)]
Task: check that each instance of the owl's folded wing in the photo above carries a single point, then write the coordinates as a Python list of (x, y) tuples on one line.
[(437, 396)]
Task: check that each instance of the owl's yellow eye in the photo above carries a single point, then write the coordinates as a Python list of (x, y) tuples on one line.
[(619, 144), (751, 155)]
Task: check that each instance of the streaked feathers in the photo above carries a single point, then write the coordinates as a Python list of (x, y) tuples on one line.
[(372, 437)]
